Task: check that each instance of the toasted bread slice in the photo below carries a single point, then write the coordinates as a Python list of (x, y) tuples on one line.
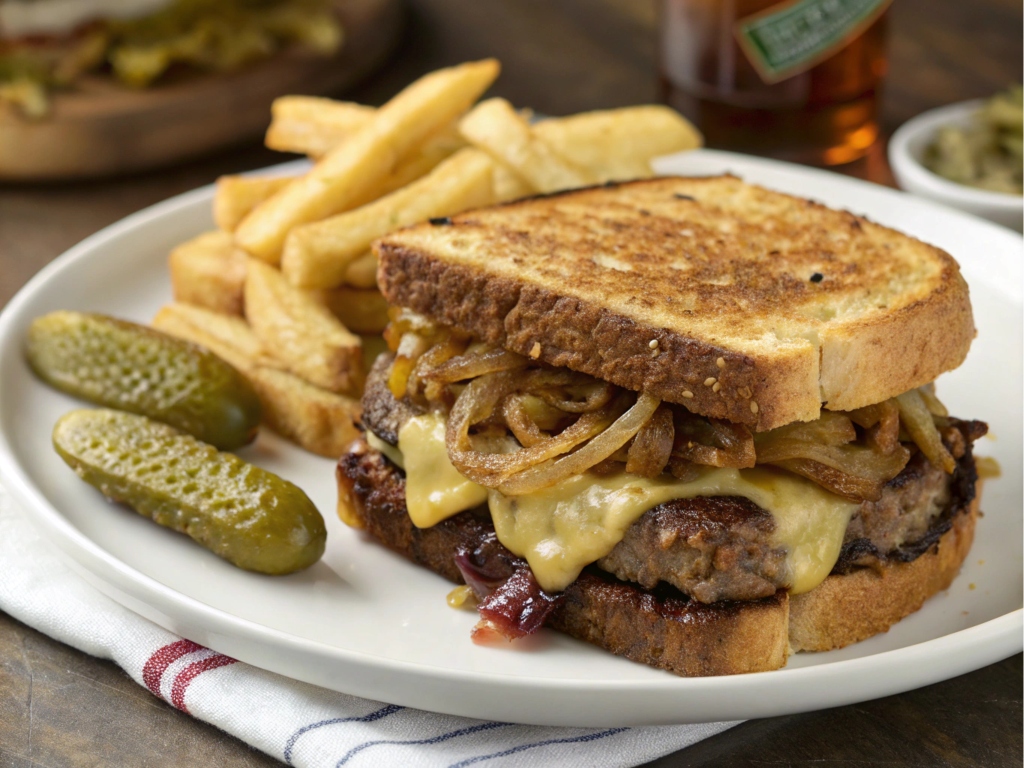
[(674, 285)]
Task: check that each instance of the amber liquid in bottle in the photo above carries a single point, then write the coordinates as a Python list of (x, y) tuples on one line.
[(825, 115)]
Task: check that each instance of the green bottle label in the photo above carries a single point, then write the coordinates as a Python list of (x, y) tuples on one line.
[(792, 37)]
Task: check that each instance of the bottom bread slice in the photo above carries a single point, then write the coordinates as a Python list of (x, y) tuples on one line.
[(851, 607), (682, 636), (662, 627)]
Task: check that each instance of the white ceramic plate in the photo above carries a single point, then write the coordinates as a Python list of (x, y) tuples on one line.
[(365, 622)]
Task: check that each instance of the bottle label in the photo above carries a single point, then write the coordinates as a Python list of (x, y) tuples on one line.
[(790, 38)]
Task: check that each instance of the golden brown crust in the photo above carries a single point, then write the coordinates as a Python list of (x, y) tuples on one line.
[(500, 311), (853, 607), (899, 350), (800, 303)]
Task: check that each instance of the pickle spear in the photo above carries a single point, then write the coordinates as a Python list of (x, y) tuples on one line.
[(250, 517), (133, 368)]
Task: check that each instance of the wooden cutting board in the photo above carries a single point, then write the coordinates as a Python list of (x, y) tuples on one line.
[(103, 129)]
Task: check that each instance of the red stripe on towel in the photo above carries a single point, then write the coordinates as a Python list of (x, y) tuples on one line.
[(157, 664), (191, 672)]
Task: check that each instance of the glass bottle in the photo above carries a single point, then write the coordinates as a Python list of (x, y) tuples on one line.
[(796, 80)]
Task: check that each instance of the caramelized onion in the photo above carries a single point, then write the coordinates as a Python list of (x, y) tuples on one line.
[(409, 350), (608, 467), (682, 469), (834, 480), (545, 416), (881, 423), (830, 428), (473, 405), (856, 460), (520, 422), (652, 446), (475, 364), (595, 394), (516, 608), (868, 416), (823, 451), (478, 578), (931, 401), (713, 442), (437, 355), (494, 470), (599, 448), (918, 421), (565, 423), (478, 402), (885, 434)]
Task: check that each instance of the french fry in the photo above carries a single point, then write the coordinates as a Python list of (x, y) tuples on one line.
[(614, 144), (349, 174), (301, 332), (362, 273), (319, 421), (495, 127), (236, 196), (361, 310), (227, 336), (619, 144), (209, 272), (310, 125), (434, 150), (322, 422), (509, 185), (313, 126), (318, 255)]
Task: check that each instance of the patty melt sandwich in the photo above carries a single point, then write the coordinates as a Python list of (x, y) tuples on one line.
[(689, 420)]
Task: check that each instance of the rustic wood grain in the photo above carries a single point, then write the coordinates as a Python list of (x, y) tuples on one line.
[(59, 707), (103, 128), (973, 721)]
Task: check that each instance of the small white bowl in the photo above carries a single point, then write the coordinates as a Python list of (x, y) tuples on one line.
[(906, 148)]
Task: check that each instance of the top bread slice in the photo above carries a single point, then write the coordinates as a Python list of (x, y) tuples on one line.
[(738, 302)]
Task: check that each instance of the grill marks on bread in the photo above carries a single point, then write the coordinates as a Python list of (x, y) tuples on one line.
[(711, 268)]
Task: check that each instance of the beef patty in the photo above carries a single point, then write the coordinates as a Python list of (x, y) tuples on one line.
[(720, 548)]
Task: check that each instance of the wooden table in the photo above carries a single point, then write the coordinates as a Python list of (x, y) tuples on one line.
[(59, 707)]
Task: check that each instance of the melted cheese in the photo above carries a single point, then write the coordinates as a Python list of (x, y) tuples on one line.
[(389, 450), (434, 489), (562, 529)]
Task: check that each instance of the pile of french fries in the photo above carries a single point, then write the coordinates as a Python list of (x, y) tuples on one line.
[(286, 288)]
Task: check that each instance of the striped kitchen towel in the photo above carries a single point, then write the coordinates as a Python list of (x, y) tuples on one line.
[(297, 723)]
